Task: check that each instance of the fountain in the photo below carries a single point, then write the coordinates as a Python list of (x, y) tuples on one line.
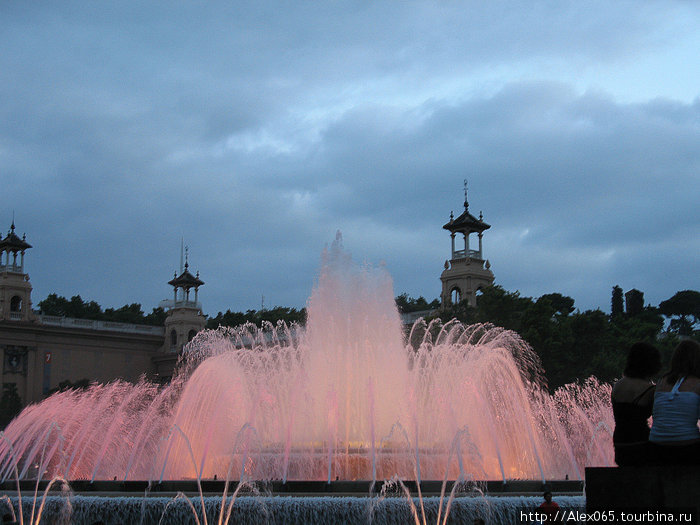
[(350, 397)]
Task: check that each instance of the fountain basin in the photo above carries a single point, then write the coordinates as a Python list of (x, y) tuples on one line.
[(291, 511)]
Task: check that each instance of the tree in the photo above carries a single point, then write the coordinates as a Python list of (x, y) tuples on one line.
[(156, 317), (406, 304), (502, 308), (634, 301), (129, 313), (257, 317), (684, 305), (562, 304), (617, 304), (461, 311), (77, 308), (53, 305)]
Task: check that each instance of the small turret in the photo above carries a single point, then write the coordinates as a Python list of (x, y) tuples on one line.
[(185, 316), (466, 271), (15, 290)]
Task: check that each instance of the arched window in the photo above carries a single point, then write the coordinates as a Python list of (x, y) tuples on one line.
[(173, 340), (455, 295), (191, 335), (16, 304)]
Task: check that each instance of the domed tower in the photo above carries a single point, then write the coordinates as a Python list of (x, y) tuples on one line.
[(185, 316), (15, 290), (466, 271)]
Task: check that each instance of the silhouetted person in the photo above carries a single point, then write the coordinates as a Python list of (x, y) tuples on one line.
[(479, 521), (675, 436), (548, 509), (632, 400)]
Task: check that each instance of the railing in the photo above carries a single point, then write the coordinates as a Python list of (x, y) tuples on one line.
[(110, 326), (15, 316), (461, 254), (169, 303), (14, 268)]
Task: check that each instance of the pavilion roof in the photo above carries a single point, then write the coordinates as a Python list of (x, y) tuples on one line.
[(466, 222), (186, 280), (13, 243)]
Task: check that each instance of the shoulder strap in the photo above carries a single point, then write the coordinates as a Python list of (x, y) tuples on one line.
[(640, 396), (675, 388)]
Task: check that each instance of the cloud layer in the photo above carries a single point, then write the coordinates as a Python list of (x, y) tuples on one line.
[(256, 133)]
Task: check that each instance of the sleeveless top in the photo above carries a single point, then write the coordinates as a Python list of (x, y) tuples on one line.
[(675, 415), (631, 420)]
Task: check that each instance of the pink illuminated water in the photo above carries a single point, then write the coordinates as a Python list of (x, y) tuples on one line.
[(348, 397)]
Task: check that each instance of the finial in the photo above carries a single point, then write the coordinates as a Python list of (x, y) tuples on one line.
[(452, 215), (187, 254), (466, 204), (182, 251), (481, 215)]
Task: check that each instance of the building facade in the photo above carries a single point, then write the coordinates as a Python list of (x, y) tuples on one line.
[(38, 352)]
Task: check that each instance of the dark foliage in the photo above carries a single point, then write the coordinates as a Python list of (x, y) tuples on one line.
[(617, 303), (10, 404), (684, 310), (257, 317), (80, 384), (77, 308), (572, 345), (407, 304)]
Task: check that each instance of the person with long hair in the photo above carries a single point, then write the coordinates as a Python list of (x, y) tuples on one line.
[(675, 435), (632, 399)]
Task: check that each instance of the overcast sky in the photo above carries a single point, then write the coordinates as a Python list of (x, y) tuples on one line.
[(256, 132)]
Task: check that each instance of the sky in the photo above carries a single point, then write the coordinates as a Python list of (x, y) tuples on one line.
[(257, 130)]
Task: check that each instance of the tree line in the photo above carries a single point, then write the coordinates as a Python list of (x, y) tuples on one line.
[(571, 344), (574, 345), (78, 308)]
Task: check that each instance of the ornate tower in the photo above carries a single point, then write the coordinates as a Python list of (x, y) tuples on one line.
[(466, 271), (15, 290), (185, 316)]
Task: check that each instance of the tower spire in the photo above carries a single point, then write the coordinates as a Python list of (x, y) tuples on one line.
[(466, 203), (182, 251)]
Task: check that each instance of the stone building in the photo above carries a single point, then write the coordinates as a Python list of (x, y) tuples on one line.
[(467, 271), (39, 351)]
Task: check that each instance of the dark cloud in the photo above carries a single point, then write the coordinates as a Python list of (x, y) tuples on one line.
[(257, 132)]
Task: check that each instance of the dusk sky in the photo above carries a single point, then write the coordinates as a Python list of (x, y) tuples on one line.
[(257, 130)]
